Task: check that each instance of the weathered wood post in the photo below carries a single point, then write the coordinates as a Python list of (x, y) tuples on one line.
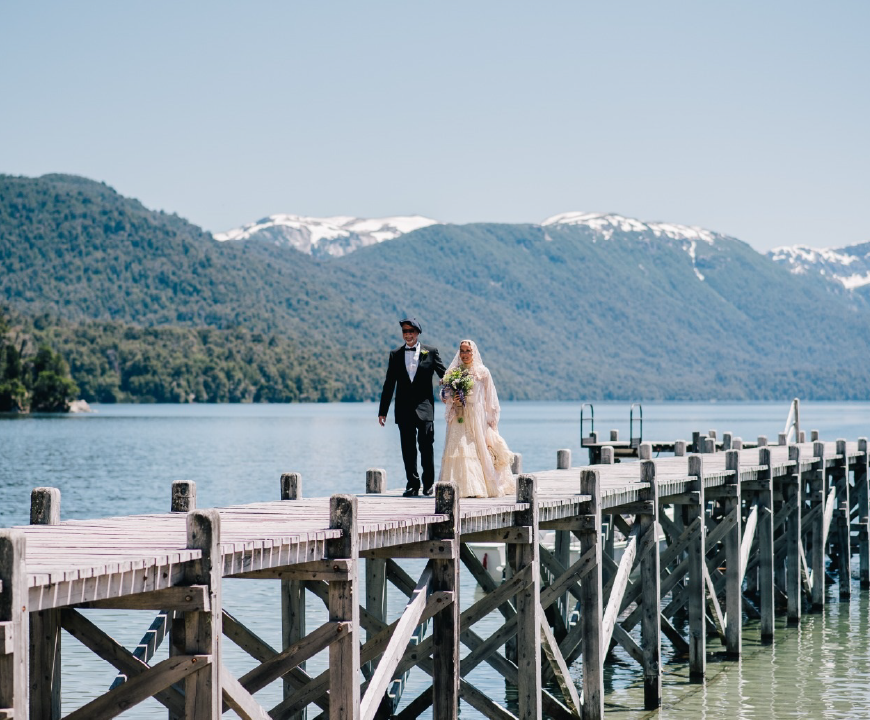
[(793, 497), (814, 435), (376, 568), (183, 496), (726, 441), (733, 575), (516, 463), (818, 497), (529, 615), (764, 533), (182, 500), (863, 502), (644, 451), (344, 668), (609, 548), (648, 549), (737, 443), (842, 520), (802, 436), (762, 441), (445, 623), (563, 537), (13, 624), (591, 601), (614, 435), (697, 571), (203, 628), (292, 595), (45, 625), (710, 445), (782, 439), (680, 448)]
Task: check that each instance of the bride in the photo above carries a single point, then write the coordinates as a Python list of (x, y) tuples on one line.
[(475, 456)]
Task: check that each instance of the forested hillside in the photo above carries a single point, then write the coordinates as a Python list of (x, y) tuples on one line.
[(147, 306)]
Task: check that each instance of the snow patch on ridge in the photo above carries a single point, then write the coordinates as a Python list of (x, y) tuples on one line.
[(849, 266), (333, 236), (608, 223)]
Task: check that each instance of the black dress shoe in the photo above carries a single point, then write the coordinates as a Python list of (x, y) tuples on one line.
[(429, 490), (411, 493)]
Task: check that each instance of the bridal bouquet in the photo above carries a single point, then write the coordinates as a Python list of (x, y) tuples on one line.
[(457, 383)]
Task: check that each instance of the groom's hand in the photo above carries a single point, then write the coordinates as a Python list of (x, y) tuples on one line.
[(382, 419)]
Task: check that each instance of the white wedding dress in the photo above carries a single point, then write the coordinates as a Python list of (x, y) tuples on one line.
[(475, 456)]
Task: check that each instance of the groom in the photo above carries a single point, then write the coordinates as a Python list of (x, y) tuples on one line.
[(409, 372)]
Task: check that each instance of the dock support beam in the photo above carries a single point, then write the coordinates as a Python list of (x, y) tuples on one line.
[(591, 601), (45, 625), (529, 615), (445, 623), (697, 572), (842, 513), (863, 502), (792, 495), (733, 574), (819, 496), (344, 667), (13, 622), (650, 629), (292, 596), (764, 532), (203, 629)]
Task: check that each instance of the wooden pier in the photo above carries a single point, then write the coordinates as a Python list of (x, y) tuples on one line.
[(709, 538)]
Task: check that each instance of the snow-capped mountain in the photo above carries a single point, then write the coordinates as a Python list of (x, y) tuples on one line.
[(333, 236), (849, 266), (605, 225)]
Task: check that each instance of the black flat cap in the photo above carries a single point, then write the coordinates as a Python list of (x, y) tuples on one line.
[(413, 323)]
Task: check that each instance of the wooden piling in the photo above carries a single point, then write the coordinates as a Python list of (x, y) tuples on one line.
[(445, 623), (563, 459), (764, 532), (344, 658), (203, 628), (516, 464), (375, 568), (862, 500), (679, 448), (183, 496), (650, 579), (818, 499), (182, 500), (14, 625), (842, 520), (529, 615), (793, 497), (697, 573), (591, 600), (733, 559), (293, 596), (45, 635)]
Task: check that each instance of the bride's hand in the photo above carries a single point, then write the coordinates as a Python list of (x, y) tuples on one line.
[(457, 401)]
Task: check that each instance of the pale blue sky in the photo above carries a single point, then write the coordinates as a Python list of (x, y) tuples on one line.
[(749, 118)]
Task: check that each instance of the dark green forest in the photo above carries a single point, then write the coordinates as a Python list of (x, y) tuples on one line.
[(145, 306)]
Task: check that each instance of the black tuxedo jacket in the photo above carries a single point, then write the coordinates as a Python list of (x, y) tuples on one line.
[(413, 399)]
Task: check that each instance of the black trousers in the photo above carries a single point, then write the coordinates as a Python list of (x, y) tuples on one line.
[(414, 433)]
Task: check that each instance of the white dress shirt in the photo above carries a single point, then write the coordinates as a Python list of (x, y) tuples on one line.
[(412, 360)]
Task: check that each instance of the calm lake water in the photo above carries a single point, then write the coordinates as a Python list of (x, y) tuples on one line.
[(122, 460)]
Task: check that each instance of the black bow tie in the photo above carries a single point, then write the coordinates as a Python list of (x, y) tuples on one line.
[(413, 349)]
